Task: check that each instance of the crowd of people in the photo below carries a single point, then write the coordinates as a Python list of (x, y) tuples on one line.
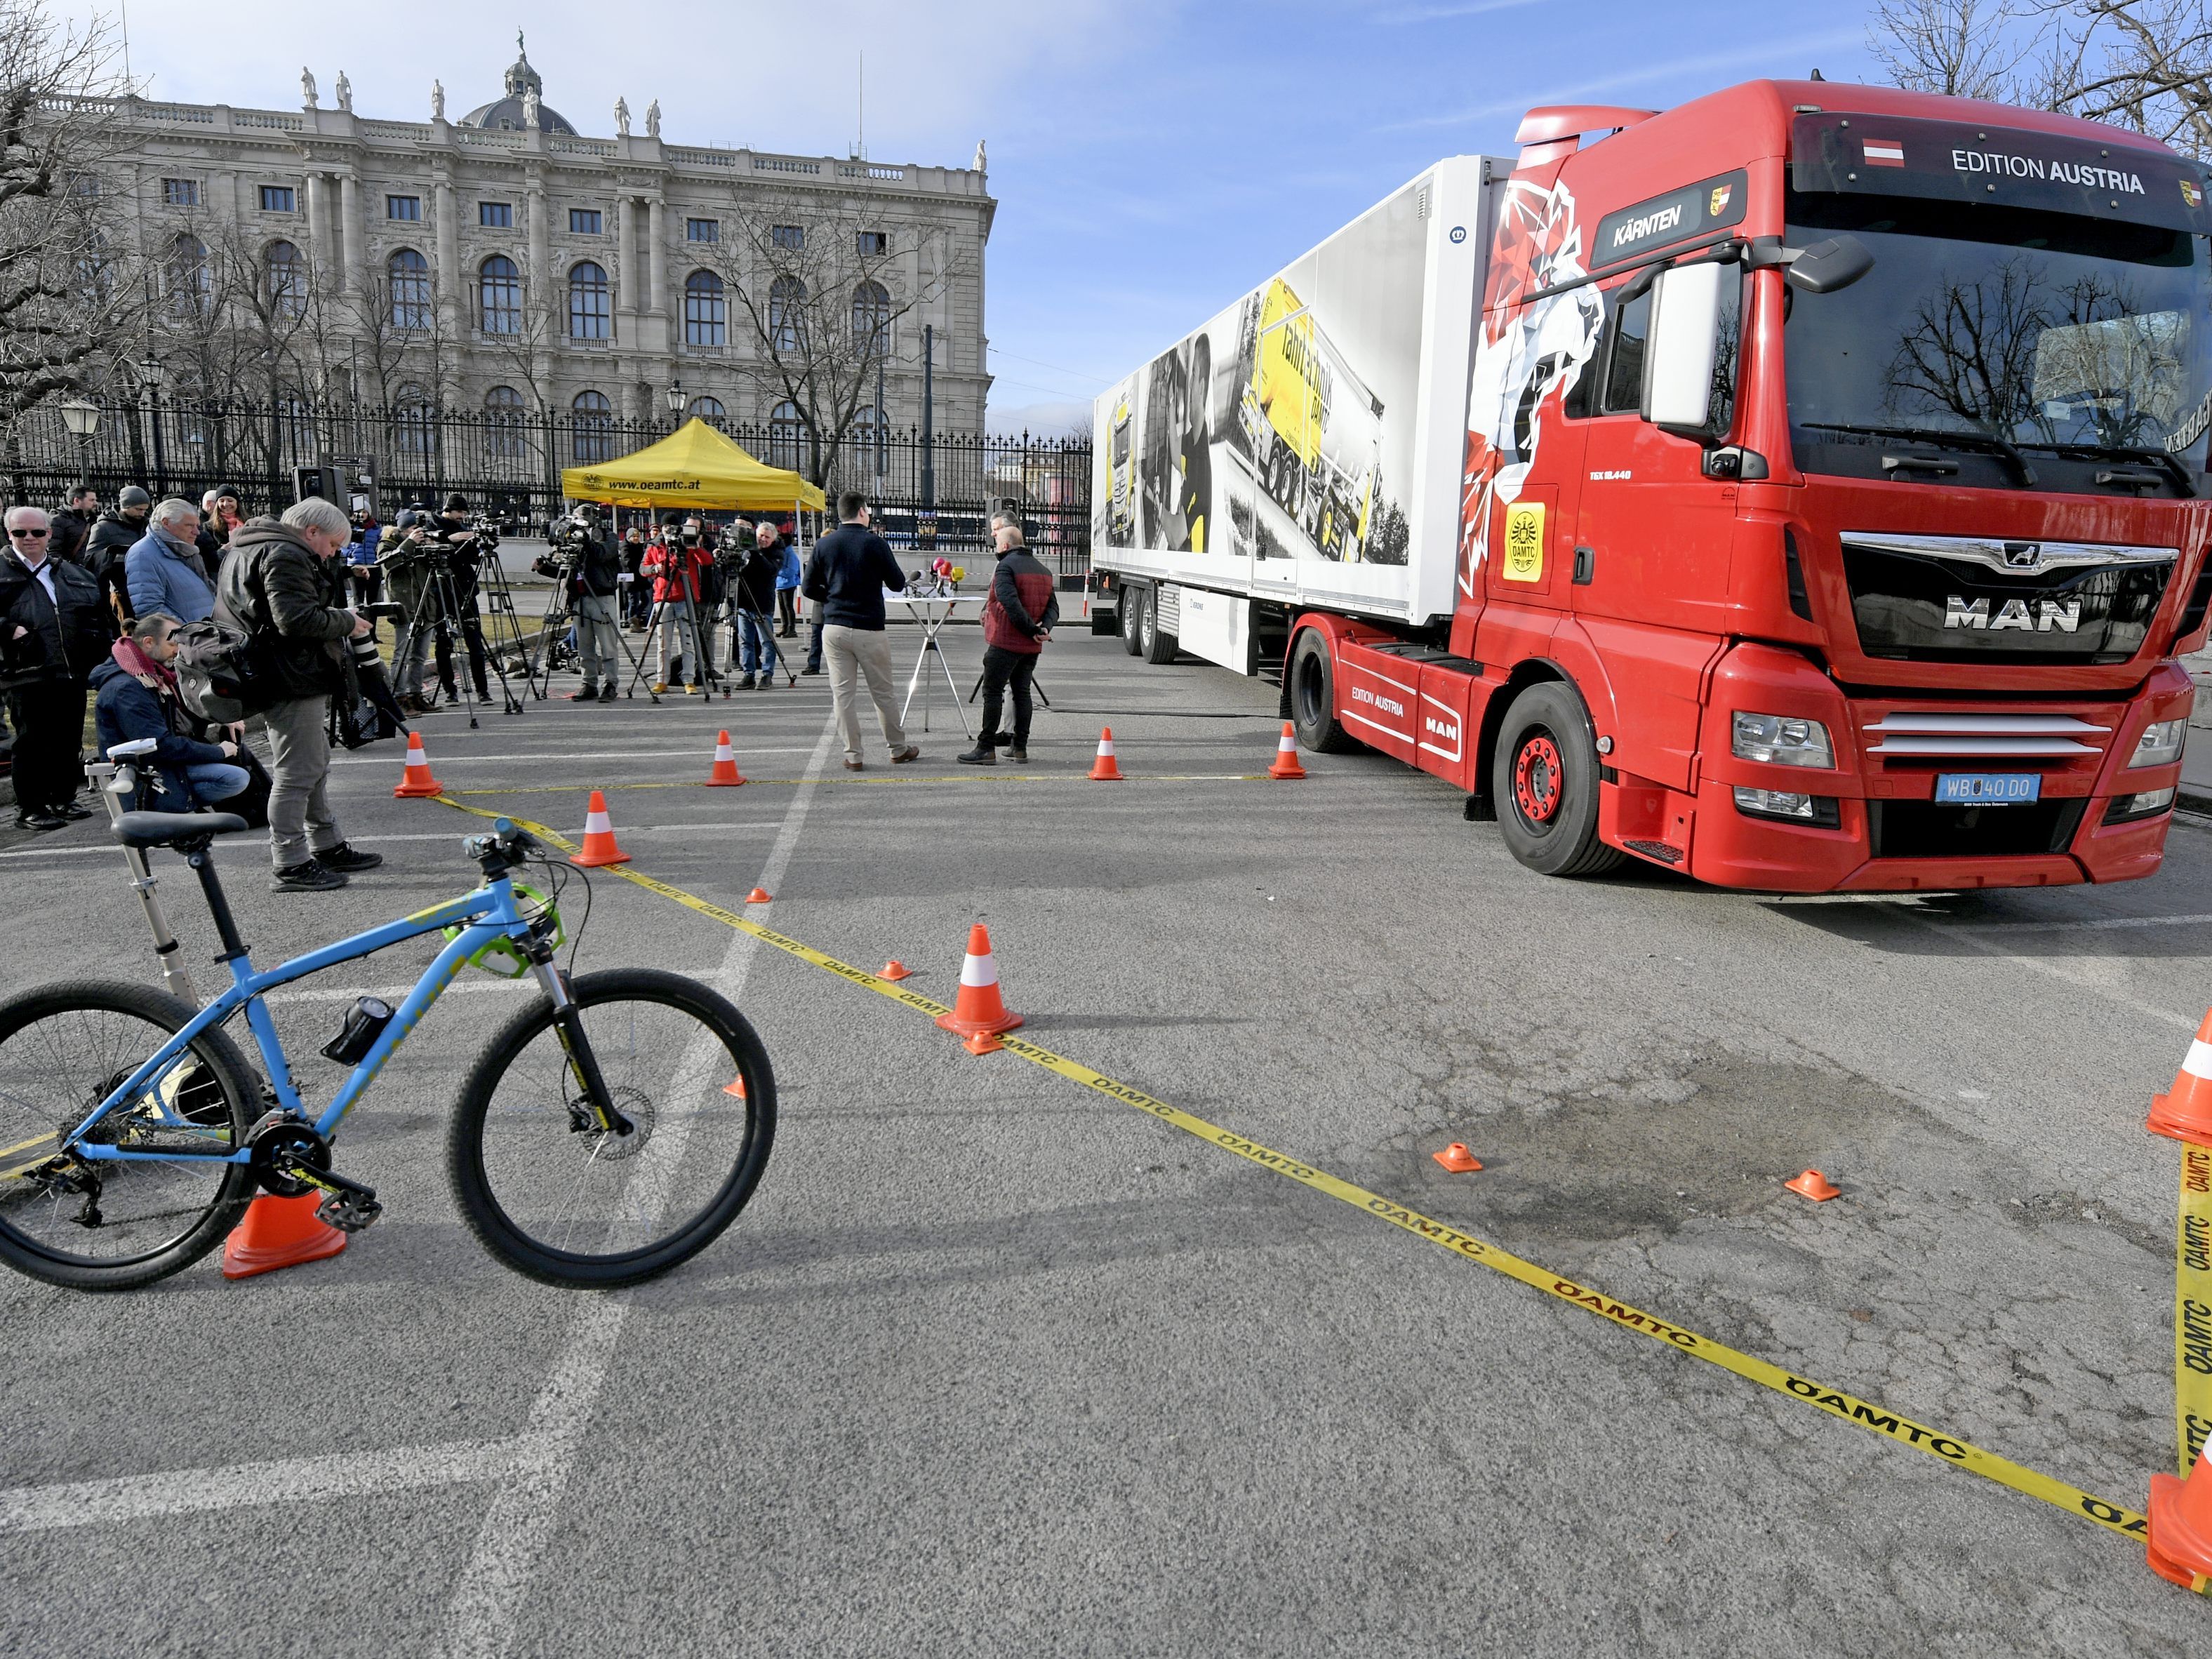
[(105, 604)]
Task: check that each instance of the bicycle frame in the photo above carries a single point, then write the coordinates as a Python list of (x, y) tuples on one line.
[(489, 914)]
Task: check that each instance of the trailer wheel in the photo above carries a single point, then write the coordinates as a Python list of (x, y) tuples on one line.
[(1312, 681), (1132, 617), (1544, 779), (1155, 646)]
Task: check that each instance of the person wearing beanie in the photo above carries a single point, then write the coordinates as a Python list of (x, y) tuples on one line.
[(113, 535)]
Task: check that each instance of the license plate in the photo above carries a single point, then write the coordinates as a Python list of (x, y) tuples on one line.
[(1988, 788)]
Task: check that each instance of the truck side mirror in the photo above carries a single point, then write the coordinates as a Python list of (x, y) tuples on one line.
[(1685, 338), (1827, 266)]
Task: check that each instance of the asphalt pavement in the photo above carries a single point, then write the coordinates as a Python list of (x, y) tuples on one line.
[(995, 1364)]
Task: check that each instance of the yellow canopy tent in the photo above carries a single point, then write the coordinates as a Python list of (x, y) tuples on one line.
[(694, 466)]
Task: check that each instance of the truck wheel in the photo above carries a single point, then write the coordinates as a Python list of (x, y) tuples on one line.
[(1155, 646), (1133, 619), (1313, 698), (1544, 779)]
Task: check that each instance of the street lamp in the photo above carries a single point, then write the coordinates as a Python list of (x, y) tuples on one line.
[(675, 397), (82, 418)]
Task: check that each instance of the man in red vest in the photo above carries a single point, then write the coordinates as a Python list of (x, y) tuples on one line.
[(1018, 619)]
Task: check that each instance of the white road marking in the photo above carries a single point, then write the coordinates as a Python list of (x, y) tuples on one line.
[(457, 756), (2104, 925), (253, 843), (512, 1542), (2085, 978)]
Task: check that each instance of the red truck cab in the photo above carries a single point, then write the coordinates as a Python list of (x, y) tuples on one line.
[(1830, 514)]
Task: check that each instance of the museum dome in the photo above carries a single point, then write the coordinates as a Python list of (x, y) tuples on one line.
[(506, 114)]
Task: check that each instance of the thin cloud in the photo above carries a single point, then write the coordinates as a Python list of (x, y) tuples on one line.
[(1649, 72), (1446, 14)]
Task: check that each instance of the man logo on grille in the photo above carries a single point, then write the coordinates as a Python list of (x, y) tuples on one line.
[(2023, 556)]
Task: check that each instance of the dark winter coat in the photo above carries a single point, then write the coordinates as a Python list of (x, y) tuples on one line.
[(125, 709), (289, 597), (1022, 604), (65, 637), (851, 568)]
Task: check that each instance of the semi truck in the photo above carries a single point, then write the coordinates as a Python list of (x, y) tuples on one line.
[(1801, 489)]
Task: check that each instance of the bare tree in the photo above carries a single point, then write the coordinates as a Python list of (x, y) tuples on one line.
[(69, 288), (819, 297), (1962, 47)]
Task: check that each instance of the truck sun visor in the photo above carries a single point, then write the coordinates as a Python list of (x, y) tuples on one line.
[(1957, 161), (1679, 215)]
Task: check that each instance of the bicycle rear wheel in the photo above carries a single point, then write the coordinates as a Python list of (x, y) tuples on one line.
[(63, 1050), (551, 1195)]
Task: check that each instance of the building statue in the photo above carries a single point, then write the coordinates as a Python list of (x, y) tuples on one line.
[(978, 163), (622, 118), (306, 89), (345, 93), (437, 101), (530, 106), (652, 119)]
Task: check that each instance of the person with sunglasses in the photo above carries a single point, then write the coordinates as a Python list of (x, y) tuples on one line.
[(53, 632)]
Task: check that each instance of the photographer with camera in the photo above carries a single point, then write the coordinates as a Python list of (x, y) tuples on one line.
[(460, 544), (408, 577), (679, 569), (753, 597), (592, 572)]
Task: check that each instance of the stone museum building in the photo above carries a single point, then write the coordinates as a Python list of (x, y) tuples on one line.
[(495, 259)]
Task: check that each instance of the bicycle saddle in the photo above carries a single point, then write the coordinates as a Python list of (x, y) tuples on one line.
[(167, 829)]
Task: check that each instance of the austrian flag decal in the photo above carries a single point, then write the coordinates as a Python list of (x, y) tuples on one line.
[(1884, 152)]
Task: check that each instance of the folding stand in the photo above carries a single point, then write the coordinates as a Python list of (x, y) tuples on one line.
[(931, 628)]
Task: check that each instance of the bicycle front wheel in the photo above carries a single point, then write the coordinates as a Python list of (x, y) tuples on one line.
[(551, 1194)]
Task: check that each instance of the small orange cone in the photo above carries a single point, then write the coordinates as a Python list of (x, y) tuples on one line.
[(895, 969), (2180, 1544), (278, 1232), (2184, 1112), (1814, 1185), (1104, 770), (979, 1009), (1286, 763), (598, 837), (983, 1042), (735, 1087), (418, 784), (725, 774), (1456, 1156), (760, 896)]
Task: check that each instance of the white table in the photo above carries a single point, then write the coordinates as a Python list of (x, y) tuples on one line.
[(933, 609)]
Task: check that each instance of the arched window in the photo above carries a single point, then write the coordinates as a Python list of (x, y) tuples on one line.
[(786, 313), (499, 296), (191, 287), (409, 274), (412, 418), (590, 316), (287, 279), (503, 418), (785, 428), (704, 315), (709, 409), (592, 427), (872, 320)]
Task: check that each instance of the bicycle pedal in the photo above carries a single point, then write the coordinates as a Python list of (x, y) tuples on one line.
[(349, 1212)]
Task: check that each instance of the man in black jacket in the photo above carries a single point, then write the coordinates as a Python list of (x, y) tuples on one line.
[(847, 578), (281, 585), (113, 535), (752, 600), (52, 633), (74, 523), (592, 590)]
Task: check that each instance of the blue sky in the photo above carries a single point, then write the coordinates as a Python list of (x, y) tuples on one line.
[(1152, 158)]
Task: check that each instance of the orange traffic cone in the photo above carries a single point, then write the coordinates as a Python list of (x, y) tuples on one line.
[(735, 1087), (598, 837), (1104, 770), (2186, 1112), (979, 1011), (418, 783), (760, 896), (1456, 1156), (895, 969), (1286, 756), (725, 774), (1814, 1185), (278, 1232), (2180, 1545)]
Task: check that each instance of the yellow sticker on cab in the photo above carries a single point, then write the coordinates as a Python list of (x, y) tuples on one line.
[(1524, 543)]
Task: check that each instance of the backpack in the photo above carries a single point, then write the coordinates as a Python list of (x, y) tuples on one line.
[(221, 676)]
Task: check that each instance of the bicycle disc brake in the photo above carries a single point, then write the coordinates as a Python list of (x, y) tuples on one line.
[(634, 1104)]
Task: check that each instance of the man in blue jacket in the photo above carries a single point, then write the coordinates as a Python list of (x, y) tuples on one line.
[(135, 693), (164, 572)]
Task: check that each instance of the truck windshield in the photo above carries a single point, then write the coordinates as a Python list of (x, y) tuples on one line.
[(2002, 347)]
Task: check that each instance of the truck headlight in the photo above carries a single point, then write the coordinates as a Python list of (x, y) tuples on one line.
[(2161, 742), (1780, 740), (2125, 809), (1818, 811)]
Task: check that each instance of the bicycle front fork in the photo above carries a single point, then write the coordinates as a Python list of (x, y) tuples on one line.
[(594, 1111)]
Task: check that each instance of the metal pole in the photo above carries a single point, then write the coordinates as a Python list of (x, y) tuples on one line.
[(928, 394), (160, 458), (881, 419)]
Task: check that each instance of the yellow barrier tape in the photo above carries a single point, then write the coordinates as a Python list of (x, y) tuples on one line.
[(950, 777), (1848, 1407), (2192, 1307)]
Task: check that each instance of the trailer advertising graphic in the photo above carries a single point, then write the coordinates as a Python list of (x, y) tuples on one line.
[(1283, 428)]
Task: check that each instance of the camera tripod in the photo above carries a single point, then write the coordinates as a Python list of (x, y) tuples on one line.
[(774, 651), (560, 616), (440, 604), (702, 658)]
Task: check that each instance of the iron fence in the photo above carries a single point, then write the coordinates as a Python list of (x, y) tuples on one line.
[(927, 495)]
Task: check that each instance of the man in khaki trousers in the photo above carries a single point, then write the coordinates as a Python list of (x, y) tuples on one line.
[(846, 577)]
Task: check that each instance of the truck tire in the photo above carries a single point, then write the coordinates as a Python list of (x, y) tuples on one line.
[(1155, 646), (1312, 683), (1544, 778), (1131, 607)]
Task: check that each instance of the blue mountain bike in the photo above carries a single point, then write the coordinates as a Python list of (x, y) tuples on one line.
[(607, 1132)]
